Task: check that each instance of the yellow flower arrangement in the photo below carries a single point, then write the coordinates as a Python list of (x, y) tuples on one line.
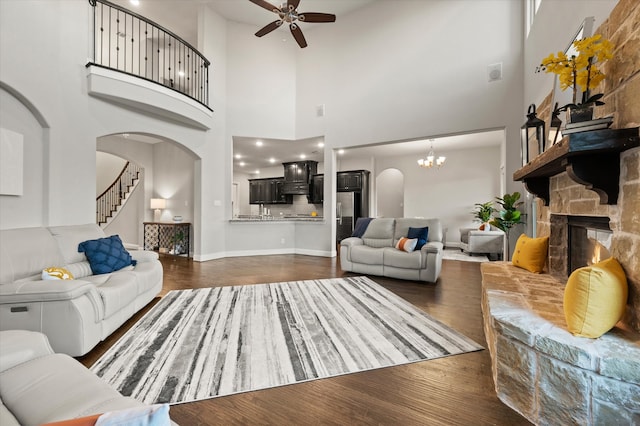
[(582, 70)]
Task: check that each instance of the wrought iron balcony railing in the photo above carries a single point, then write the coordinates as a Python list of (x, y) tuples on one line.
[(127, 42)]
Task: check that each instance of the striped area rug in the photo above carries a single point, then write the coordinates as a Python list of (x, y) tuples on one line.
[(205, 343)]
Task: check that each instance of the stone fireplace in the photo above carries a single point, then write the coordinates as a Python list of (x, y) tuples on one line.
[(567, 197), (577, 241), (587, 191)]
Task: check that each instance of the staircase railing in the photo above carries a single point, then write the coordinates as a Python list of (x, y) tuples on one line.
[(108, 202), (130, 43)]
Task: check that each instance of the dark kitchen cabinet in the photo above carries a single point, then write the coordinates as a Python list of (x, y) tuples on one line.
[(317, 189), (297, 176), (268, 191), (353, 180), (278, 195)]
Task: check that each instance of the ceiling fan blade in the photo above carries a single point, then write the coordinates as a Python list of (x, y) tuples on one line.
[(293, 4), (268, 28), (316, 17), (297, 34), (266, 5)]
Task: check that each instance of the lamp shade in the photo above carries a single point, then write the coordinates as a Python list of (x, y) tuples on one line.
[(158, 203)]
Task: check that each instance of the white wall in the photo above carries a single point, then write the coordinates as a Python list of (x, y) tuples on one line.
[(108, 168), (28, 209), (448, 193), (261, 84), (421, 71), (173, 180), (213, 172), (242, 180)]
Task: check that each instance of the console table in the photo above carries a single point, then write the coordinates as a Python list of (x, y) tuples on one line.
[(172, 238)]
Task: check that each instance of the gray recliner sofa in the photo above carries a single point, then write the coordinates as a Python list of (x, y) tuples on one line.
[(74, 314), (375, 253)]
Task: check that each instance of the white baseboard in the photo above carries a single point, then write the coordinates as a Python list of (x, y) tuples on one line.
[(245, 253)]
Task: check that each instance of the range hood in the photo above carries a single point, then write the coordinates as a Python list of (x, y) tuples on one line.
[(297, 177)]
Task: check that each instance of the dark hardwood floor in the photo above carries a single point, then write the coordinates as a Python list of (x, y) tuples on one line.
[(456, 390)]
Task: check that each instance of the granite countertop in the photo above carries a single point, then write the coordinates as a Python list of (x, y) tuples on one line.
[(284, 218)]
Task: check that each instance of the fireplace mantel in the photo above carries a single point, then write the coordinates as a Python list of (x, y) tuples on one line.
[(590, 158)]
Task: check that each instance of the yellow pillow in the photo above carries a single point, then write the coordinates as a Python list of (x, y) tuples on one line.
[(531, 253), (55, 273), (595, 298)]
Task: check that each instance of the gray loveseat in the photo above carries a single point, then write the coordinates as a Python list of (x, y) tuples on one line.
[(375, 252), (74, 314)]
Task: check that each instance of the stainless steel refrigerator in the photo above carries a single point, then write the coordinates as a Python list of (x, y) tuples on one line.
[(345, 214)]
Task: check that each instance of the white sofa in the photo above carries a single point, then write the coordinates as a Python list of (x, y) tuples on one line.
[(39, 386), (375, 252), (74, 314)]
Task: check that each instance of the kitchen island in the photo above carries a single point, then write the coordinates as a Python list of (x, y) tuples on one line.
[(278, 219), (252, 235)]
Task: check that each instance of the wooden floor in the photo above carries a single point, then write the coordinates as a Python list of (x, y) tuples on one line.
[(456, 390)]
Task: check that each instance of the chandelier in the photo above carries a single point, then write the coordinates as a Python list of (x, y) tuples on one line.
[(431, 159)]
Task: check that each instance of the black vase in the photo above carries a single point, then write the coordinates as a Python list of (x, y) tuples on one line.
[(580, 113)]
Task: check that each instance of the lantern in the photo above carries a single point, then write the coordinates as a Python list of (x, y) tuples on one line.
[(532, 134)]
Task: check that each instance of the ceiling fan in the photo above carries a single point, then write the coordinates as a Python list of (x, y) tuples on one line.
[(288, 13)]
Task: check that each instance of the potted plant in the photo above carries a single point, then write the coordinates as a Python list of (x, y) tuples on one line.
[(178, 242), (509, 216), (582, 70), (484, 213)]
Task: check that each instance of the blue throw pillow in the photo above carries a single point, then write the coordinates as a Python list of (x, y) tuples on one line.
[(106, 255), (422, 234), (361, 225)]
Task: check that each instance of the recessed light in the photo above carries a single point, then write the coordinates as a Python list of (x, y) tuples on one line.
[(272, 160), (320, 144), (257, 172), (241, 164), (302, 156), (135, 2), (238, 156), (181, 73), (341, 151), (258, 143)]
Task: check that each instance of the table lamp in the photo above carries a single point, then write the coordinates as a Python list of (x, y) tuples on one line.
[(157, 204)]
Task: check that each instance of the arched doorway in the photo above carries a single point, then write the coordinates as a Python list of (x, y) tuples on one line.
[(168, 173), (390, 193)]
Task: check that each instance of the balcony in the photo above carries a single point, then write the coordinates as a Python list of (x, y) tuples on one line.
[(140, 64)]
